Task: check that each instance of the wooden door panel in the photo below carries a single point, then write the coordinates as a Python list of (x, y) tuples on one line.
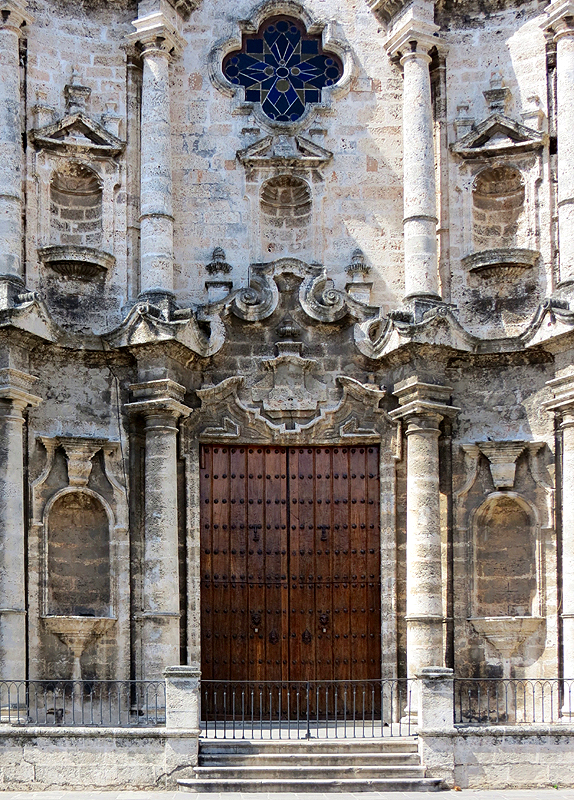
[(290, 563)]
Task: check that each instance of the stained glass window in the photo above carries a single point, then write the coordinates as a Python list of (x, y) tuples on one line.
[(283, 68)]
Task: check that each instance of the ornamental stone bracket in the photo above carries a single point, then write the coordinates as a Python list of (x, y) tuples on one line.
[(317, 296), (502, 457), (226, 416), (146, 324)]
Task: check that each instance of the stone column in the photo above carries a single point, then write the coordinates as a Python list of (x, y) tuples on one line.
[(563, 405), (561, 22), (412, 46), (422, 407), (15, 396), (13, 15), (159, 38), (160, 403)]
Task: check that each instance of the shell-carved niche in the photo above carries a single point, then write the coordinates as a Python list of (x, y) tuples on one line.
[(76, 170), (80, 526)]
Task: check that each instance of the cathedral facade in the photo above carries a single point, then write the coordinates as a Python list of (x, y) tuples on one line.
[(286, 339)]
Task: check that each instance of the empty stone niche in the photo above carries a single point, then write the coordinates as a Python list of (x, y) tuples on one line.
[(286, 210), (497, 205), (78, 557), (76, 224), (505, 559)]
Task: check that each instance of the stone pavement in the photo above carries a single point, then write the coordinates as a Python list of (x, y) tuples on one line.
[(470, 794)]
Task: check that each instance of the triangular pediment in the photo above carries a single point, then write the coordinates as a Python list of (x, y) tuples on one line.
[(284, 151), (496, 135), (77, 132)]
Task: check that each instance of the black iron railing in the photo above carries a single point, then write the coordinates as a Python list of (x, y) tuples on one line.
[(306, 709), (511, 701), (89, 703)]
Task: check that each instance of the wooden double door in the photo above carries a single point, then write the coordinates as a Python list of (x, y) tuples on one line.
[(290, 563)]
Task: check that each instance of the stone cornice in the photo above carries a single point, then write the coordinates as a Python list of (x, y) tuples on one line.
[(559, 17)]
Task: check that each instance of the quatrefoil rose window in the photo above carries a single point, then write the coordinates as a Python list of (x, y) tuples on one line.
[(282, 67)]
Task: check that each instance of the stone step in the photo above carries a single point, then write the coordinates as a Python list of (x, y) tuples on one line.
[(311, 746), (285, 772), (309, 759), (301, 785)]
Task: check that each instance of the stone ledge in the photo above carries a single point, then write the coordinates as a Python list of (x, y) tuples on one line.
[(86, 732), (556, 729)]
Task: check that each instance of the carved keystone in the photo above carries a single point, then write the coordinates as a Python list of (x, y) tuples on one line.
[(502, 457)]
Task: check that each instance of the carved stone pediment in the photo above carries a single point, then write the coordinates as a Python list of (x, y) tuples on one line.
[(498, 135), (285, 152), (77, 133), (224, 416)]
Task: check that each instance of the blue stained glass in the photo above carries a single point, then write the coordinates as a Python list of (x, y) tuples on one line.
[(283, 68)]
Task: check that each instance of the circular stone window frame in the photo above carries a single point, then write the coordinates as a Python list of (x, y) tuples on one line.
[(329, 42)]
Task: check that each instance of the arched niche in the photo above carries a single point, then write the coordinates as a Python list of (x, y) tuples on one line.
[(497, 204), (76, 210), (78, 575), (286, 215), (506, 575)]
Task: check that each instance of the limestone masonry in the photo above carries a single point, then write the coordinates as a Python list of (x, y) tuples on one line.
[(287, 344)]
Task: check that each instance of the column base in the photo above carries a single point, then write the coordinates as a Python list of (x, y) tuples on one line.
[(162, 299)]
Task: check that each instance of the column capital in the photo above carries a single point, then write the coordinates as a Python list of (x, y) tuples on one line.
[(158, 32), (15, 386), (14, 14), (419, 399), (563, 390), (414, 38), (162, 396), (560, 18)]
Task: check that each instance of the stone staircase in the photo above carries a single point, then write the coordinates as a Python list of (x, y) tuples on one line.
[(353, 765)]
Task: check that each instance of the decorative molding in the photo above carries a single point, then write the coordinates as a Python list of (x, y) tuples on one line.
[(76, 134), (162, 396), (15, 386), (284, 152), (15, 14), (414, 36), (496, 136), (225, 416)]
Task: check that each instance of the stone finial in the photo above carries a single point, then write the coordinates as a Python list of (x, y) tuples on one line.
[(358, 265), (502, 457), (498, 95), (218, 262), (463, 123), (533, 116), (76, 95)]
